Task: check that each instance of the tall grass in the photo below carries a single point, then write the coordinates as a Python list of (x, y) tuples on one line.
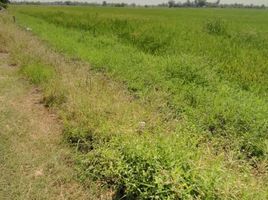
[(203, 74)]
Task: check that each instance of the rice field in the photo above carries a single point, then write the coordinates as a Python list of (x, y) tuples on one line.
[(186, 113)]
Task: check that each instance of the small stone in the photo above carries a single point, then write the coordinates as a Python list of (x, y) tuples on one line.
[(38, 173), (142, 125), (28, 29)]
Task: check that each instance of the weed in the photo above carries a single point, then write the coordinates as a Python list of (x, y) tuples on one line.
[(216, 27), (38, 74)]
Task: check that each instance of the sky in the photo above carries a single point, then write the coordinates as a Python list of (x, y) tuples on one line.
[(154, 2)]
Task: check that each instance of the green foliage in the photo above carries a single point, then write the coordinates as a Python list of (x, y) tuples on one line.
[(4, 1), (214, 87), (200, 3), (38, 74), (145, 171), (4, 5), (216, 27)]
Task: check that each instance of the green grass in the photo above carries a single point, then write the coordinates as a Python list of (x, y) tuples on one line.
[(203, 72), (37, 73), (35, 163)]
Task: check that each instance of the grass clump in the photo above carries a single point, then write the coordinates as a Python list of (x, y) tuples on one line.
[(37, 73), (216, 27)]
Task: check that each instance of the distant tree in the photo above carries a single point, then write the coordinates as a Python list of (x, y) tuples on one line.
[(188, 3), (68, 3), (171, 4), (200, 3), (120, 4), (104, 3), (213, 4)]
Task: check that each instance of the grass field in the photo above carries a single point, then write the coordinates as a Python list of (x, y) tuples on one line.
[(177, 107)]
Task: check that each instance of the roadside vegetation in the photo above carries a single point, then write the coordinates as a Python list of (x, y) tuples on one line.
[(3, 4), (173, 104), (35, 163)]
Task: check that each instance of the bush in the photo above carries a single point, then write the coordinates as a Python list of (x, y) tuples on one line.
[(3, 5)]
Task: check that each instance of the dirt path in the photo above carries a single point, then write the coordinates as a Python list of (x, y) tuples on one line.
[(33, 161)]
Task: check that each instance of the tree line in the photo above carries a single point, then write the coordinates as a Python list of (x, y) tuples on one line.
[(169, 4), (205, 3)]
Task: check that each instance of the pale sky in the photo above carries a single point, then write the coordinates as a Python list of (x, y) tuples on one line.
[(152, 2)]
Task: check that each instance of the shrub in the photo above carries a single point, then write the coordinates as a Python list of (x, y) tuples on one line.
[(3, 5)]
